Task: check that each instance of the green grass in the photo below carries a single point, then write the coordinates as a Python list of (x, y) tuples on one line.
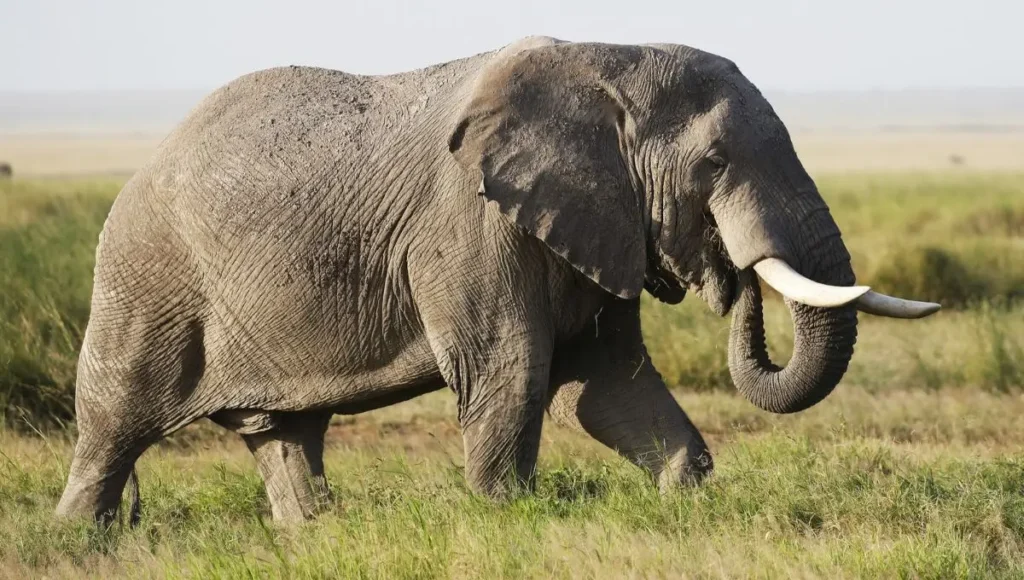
[(836, 492), (48, 235), (981, 346), (953, 239), (911, 469)]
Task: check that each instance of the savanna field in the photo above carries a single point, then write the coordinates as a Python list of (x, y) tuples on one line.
[(913, 468)]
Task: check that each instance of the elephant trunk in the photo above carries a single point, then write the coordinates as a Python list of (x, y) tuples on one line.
[(823, 339)]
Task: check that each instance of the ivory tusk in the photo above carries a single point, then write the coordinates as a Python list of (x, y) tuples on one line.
[(780, 276)]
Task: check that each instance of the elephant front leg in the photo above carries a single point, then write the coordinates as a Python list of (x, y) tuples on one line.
[(487, 317), (501, 411), (607, 387), (638, 418)]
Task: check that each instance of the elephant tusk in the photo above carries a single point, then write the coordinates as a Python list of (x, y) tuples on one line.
[(780, 276), (882, 305)]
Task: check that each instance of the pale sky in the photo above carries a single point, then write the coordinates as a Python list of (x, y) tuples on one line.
[(780, 45)]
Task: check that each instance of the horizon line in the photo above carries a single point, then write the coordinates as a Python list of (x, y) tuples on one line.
[(152, 90)]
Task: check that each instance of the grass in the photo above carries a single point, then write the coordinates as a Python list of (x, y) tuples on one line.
[(911, 469), (952, 238), (980, 346), (902, 484), (48, 234)]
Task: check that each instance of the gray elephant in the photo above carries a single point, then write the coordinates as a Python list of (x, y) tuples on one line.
[(310, 242), (6, 171)]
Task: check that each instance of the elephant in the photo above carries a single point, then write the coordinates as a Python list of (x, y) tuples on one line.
[(309, 242), (6, 172)]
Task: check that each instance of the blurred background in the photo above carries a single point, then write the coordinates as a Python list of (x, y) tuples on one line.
[(910, 117), (879, 85)]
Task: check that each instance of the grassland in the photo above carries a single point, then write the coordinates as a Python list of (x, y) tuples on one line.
[(913, 468), (36, 155), (821, 150)]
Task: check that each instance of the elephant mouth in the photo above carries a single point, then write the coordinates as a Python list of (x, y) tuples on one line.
[(708, 273), (719, 288), (663, 285), (713, 278), (718, 279)]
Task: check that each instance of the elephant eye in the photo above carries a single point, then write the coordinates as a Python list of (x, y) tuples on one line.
[(718, 161)]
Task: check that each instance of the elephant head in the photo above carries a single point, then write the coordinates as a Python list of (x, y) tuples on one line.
[(664, 167)]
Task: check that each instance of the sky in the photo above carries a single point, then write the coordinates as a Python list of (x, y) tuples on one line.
[(791, 45)]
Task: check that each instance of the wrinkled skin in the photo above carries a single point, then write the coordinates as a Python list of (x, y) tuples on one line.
[(311, 242)]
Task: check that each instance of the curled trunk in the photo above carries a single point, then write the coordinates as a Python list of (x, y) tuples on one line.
[(822, 346)]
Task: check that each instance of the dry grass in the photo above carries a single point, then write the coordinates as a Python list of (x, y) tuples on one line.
[(821, 152), (919, 150), (36, 155)]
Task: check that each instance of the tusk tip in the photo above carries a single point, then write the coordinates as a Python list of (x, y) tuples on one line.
[(882, 305), (929, 308)]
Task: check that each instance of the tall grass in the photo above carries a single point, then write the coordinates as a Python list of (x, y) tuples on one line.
[(48, 234), (955, 238)]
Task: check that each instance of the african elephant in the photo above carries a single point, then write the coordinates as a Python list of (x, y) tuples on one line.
[(6, 172), (310, 242)]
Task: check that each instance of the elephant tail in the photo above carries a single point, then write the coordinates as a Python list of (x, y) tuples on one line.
[(134, 500)]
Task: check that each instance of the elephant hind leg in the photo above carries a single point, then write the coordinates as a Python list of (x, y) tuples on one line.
[(290, 457), (95, 486), (104, 459), (123, 409)]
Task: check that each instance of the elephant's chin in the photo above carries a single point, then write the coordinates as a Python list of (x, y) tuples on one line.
[(664, 286)]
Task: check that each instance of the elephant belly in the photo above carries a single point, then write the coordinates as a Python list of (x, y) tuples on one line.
[(291, 343)]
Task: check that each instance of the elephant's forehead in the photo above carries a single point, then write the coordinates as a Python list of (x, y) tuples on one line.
[(713, 124), (738, 115)]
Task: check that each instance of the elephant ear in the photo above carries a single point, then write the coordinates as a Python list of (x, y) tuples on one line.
[(546, 130)]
